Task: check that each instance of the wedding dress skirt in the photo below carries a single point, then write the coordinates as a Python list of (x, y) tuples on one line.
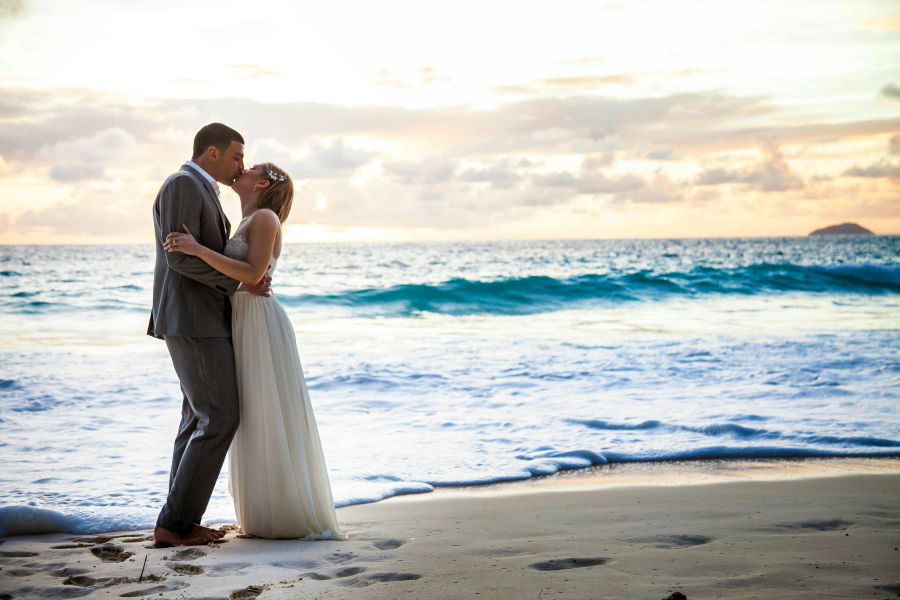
[(276, 468)]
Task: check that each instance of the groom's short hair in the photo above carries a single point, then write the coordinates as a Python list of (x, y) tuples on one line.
[(215, 134)]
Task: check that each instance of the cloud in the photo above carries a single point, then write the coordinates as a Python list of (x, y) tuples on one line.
[(591, 179), (428, 172), (88, 157), (886, 23), (492, 175), (442, 167), (661, 189), (251, 72), (894, 145), (586, 81), (109, 211), (7, 169), (11, 8), (661, 154), (429, 75), (687, 72), (425, 76), (772, 174), (586, 61), (581, 123), (323, 160), (386, 78), (891, 92), (883, 168), (624, 187), (579, 82), (502, 173)]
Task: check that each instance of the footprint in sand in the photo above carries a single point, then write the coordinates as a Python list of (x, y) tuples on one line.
[(893, 588), (830, 525), (85, 581), (18, 554), (560, 564), (227, 569), (110, 553), (388, 544), (296, 565), (669, 542), (504, 552), (185, 569), (380, 578), (134, 540), (97, 539), (58, 592), (189, 554), (342, 574), (248, 593), (67, 571), (340, 558), (158, 590), (386, 577), (80, 581), (19, 572)]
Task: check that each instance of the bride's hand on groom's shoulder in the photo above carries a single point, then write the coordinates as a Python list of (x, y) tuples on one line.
[(182, 242)]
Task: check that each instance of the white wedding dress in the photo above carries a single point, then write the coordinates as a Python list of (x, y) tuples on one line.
[(276, 468)]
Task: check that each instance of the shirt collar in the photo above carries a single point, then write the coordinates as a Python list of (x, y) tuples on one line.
[(194, 165)]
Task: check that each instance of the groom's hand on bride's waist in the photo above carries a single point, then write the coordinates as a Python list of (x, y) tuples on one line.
[(262, 288)]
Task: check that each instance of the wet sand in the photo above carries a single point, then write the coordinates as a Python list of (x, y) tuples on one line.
[(821, 528)]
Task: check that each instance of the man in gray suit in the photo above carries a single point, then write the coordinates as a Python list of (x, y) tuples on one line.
[(192, 313)]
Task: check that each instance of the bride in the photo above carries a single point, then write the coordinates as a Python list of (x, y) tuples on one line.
[(276, 470)]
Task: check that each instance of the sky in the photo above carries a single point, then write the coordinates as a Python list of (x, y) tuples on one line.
[(461, 120)]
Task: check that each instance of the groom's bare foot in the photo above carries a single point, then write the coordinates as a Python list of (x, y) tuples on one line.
[(194, 538), (215, 534)]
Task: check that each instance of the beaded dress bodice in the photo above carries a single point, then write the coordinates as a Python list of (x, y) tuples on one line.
[(237, 247)]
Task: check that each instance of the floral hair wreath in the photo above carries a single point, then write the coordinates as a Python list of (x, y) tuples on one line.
[(273, 176)]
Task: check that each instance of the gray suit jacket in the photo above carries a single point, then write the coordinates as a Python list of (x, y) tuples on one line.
[(190, 298)]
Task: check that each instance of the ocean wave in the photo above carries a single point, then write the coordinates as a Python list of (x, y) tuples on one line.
[(32, 520), (740, 432), (524, 295), (537, 293), (594, 424)]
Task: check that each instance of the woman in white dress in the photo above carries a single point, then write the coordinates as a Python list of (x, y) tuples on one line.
[(276, 468)]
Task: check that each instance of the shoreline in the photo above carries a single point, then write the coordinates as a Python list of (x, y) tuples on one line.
[(691, 471), (677, 472), (774, 528)]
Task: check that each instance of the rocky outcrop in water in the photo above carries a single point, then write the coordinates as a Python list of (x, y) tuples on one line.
[(843, 229)]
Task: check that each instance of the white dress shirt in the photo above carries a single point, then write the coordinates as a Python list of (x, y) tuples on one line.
[(209, 178)]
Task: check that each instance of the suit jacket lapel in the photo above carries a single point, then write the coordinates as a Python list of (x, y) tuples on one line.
[(226, 225)]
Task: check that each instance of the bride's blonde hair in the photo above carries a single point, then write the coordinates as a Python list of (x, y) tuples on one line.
[(279, 196)]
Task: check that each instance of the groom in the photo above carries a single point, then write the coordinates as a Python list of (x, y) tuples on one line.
[(192, 313)]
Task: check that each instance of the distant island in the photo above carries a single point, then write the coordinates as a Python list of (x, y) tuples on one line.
[(843, 229)]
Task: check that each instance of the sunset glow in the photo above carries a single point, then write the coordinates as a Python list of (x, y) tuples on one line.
[(454, 120)]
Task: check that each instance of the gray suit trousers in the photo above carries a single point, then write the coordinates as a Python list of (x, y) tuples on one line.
[(210, 415)]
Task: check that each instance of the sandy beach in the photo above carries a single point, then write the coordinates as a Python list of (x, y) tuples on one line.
[(816, 528)]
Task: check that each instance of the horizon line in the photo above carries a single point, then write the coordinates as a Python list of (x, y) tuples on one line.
[(458, 241)]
